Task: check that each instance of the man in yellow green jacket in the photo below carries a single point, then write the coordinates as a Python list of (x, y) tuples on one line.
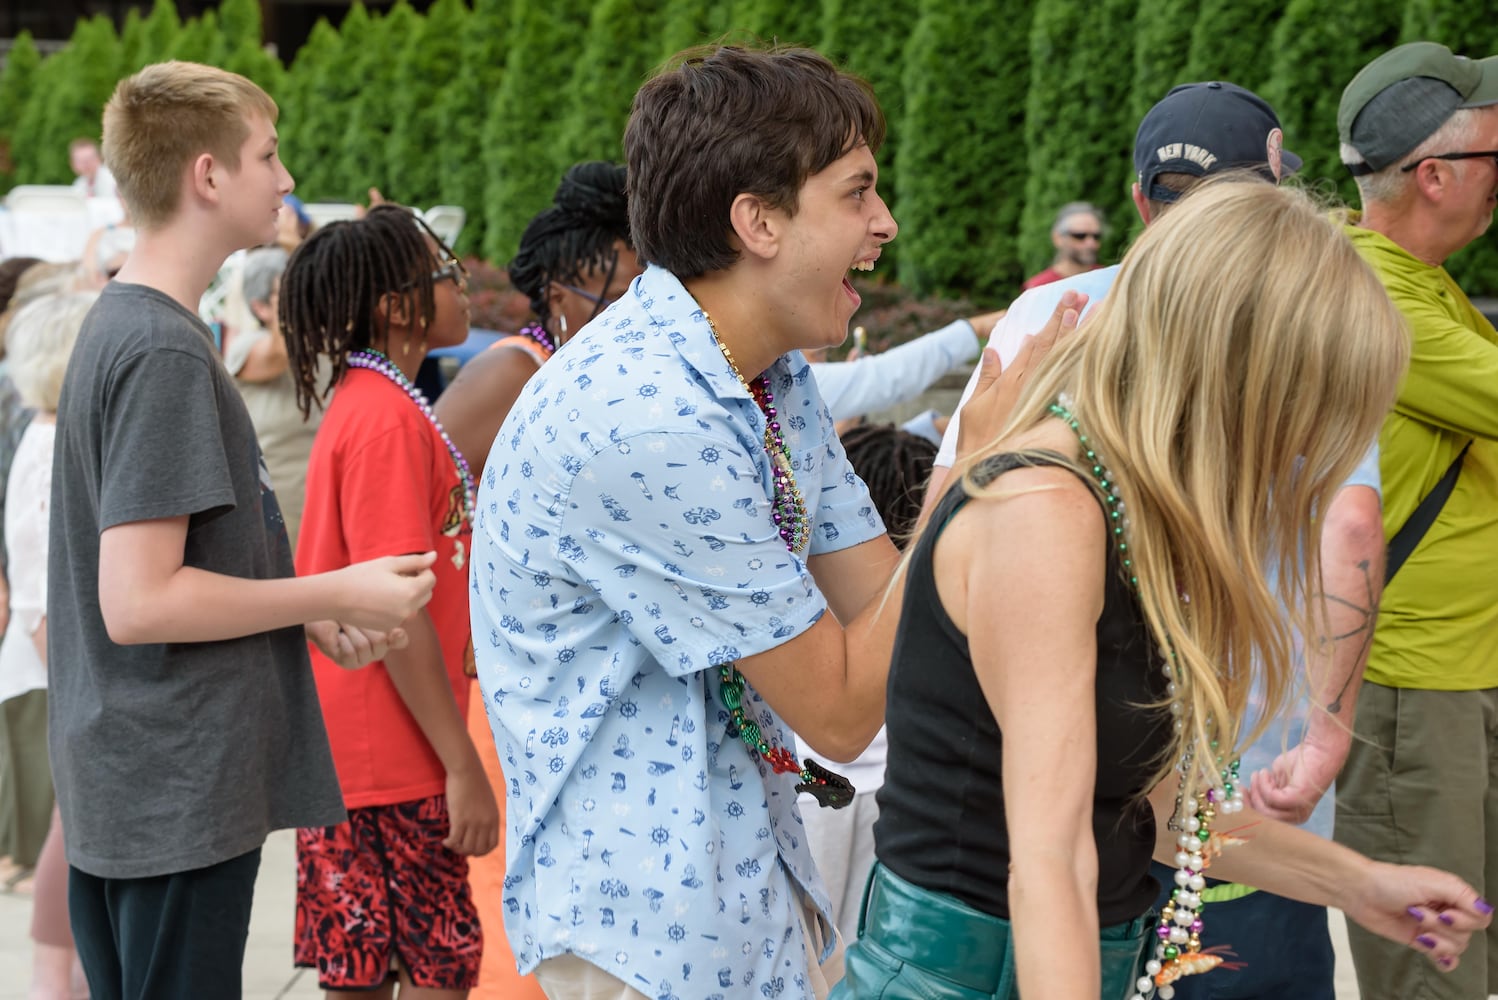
[(1419, 131)]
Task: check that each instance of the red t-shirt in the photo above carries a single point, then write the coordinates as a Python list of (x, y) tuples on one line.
[(381, 482)]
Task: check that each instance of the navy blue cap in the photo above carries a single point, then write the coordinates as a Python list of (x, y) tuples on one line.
[(1204, 128)]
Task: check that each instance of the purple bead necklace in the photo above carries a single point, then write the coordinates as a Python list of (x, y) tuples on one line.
[(376, 362), (538, 333)]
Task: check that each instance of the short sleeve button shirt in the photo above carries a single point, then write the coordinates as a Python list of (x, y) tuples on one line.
[(624, 548)]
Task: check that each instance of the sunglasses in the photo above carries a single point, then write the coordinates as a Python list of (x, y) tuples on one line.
[(1079, 237), (1488, 154)]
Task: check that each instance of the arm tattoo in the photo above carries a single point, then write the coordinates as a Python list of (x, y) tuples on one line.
[(1367, 612)]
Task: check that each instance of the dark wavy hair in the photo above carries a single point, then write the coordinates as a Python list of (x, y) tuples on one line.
[(588, 215), (727, 121)]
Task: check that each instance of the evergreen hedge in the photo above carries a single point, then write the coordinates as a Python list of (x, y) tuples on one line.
[(1000, 111)]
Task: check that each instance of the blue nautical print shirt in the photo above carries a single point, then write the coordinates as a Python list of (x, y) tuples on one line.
[(624, 548)]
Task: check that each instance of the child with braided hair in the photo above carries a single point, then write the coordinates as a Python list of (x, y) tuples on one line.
[(386, 893)]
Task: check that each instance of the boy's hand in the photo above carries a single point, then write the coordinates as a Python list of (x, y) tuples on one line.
[(987, 410), (352, 647), (384, 592), (472, 812)]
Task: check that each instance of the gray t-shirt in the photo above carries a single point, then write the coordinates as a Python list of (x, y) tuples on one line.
[(170, 757)]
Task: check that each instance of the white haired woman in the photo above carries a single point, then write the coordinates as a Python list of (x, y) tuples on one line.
[(39, 342)]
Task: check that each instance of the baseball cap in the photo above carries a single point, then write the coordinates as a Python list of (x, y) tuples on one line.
[(1398, 100), (1204, 128)]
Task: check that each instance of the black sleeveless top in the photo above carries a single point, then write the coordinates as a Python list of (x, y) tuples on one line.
[(942, 824)]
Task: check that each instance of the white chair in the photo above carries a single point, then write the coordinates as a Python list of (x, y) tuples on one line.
[(323, 212), (47, 221), (446, 221)]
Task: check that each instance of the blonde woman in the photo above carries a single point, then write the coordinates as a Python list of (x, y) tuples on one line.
[(1085, 613), (39, 342)]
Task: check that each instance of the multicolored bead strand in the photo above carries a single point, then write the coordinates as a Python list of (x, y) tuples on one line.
[(1178, 947), (376, 362), (789, 513)]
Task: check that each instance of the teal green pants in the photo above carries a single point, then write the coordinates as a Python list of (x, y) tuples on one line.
[(916, 943)]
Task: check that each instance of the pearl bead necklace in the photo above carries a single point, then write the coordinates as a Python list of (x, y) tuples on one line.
[(1177, 951), (374, 361)]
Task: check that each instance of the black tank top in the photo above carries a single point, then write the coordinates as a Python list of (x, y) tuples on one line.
[(941, 821)]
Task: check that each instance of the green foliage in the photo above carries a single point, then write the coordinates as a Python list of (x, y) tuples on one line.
[(370, 118), (149, 39), (241, 48), (316, 105), (67, 102), (788, 22), (617, 57), (1476, 266), (1229, 39), (960, 150), (688, 23), (520, 147), (198, 40), (870, 40), (1317, 49), (17, 81), (463, 109), (1078, 132), (1162, 44), (424, 69)]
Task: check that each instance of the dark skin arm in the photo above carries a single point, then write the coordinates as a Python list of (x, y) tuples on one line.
[(479, 399)]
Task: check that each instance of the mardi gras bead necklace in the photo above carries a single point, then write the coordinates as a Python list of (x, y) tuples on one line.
[(375, 361), (1178, 948), (788, 510), (537, 332)]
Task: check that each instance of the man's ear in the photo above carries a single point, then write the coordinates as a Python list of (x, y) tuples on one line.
[(1141, 203), (756, 225), (1431, 180)]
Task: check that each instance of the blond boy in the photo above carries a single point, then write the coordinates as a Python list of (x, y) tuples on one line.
[(184, 721)]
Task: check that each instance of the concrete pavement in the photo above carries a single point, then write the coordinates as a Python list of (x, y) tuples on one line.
[(268, 973)]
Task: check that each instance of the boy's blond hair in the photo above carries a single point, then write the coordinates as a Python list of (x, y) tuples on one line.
[(163, 117)]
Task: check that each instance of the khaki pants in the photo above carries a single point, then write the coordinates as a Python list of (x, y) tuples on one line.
[(1421, 787), (568, 977)]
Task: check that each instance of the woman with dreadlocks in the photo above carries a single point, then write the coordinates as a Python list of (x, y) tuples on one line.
[(373, 296), (574, 260)]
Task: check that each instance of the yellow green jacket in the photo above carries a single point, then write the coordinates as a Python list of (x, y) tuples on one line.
[(1438, 621)]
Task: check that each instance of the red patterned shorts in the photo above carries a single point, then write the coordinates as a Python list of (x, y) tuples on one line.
[(381, 889)]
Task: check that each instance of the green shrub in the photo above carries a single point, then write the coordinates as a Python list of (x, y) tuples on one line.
[(961, 148), (1318, 48), (1078, 131), (17, 81), (520, 135), (462, 161), (419, 139), (321, 89), (1229, 39), (240, 47), (689, 23), (1162, 44), (788, 22), (198, 40), (370, 118), (67, 102), (149, 39), (617, 57), (870, 40)]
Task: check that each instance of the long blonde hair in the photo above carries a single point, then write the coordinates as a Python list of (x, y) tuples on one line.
[(1233, 378)]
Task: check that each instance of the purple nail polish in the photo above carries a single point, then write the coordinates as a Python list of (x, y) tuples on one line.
[(1444, 962), (1482, 906), (1415, 912), (1445, 918), (1425, 941)]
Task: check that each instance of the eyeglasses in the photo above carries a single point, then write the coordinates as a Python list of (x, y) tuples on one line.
[(1079, 237), (451, 269), (1481, 154), (600, 302)]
